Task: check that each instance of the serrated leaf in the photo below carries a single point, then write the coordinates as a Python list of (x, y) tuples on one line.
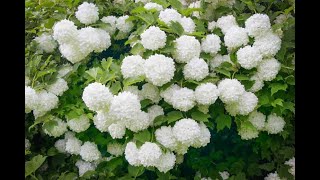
[(176, 28), (200, 116), (106, 63), (138, 10), (137, 49), (93, 72), (147, 17), (277, 102), (32, 165), (129, 81), (143, 136), (115, 87), (275, 87), (223, 121), (174, 116), (135, 171), (289, 106), (223, 71)]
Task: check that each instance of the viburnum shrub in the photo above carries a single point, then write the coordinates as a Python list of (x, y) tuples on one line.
[(160, 89)]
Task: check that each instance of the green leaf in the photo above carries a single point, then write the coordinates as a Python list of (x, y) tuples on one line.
[(106, 63), (275, 87), (163, 3), (147, 17), (69, 176), (137, 49), (174, 116), (115, 87), (267, 166), (200, 116), (176, 28), (277, 102), (223, 121), (144, 103), (89, 174), (32, 165), (159, 120), (41, 120), (114, 163), (52, 151), (138, 10), (136, 171), (93, 72), (290, 80), (241, 77), (223, 71), (289, 106), (129, 81), (143, 136), (176, 4)]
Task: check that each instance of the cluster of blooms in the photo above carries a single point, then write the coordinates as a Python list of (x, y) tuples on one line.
[(224, 175), (272, 176), (273, 124), (40, 102), (291, 162), (185, 133), (149, 155)]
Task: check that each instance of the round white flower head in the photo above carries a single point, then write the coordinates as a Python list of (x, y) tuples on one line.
[(181, 149), (247, 131), (115, 149), (149, 154), (90, 152), (73, 146), (167, 93), (247, 102), (155, 111), (64, 70), (93, 39), (257, 25), (268, 69), (179, 159), (154, 6), (196, 69), (31, 99), (102, 120), (84, 167), (164, 136), (55, 130), (226, 22), (87, 13), (230, 90), (186, 48), (153, 38), (46, 42), (58, 87), (69, 134), (204, 137), (169, 15), (268, 44), (206, 94), (26, 144), (117, 130), (79, 124), (187, 24), (291, 162), (159, 69), (60, 145), (72, 52), (65, 31), (187, 131), (249, 57), (235, 37), (212, 25), (275, 124), (257, 119), (196, 4), (224, 175), (150, 91), (258, 84), (218, 60), (131, 154), (46, 102), (272, 176), (281, 18), (211, 44), (138, 122), (132, 66), (166, 162), (97, 96), (111, 20), (124, 106), (183, 99), (134, 90), (124, 26)]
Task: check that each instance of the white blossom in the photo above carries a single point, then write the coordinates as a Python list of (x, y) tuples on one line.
[(46, 42), (187, 131), (186, 48), (132, 154), (226, 22), (150, 91), (164, 135), (115, 149), (90, 152), (187, 24), (275, 124), (168, 15), (257, 119), (87, 13), (268, 69), (64, 31), (196, 69), (117, 130), (111, 20), (79, 124), (55, 128), (166, 162), (155, 6), (132, 66), (73, 146), (268, 44), (123, 25), (230, 90), (206, 94), (257, 25), (58, 87), (249, 57), (153, 38), (183, 99), (97, 96), (211, 44), (235, 37)]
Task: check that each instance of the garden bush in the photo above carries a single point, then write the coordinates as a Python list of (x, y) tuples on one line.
[(160, 89)]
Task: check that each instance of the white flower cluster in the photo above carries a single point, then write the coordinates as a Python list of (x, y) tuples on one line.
[(196, 69), (153, 38), (115, 149), (153, 6), (272, 176), (89, 152), (218, 60), (27, 144), (46, 42), (55, 128), (291, 162), (185, 133), (237, 100), (211, 44), (97, 96), (87, 13), (155, 111), (79, 124), (84, 166), (111, 21), (58, 87), (150, 91), (186, 48), (149, 155)]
